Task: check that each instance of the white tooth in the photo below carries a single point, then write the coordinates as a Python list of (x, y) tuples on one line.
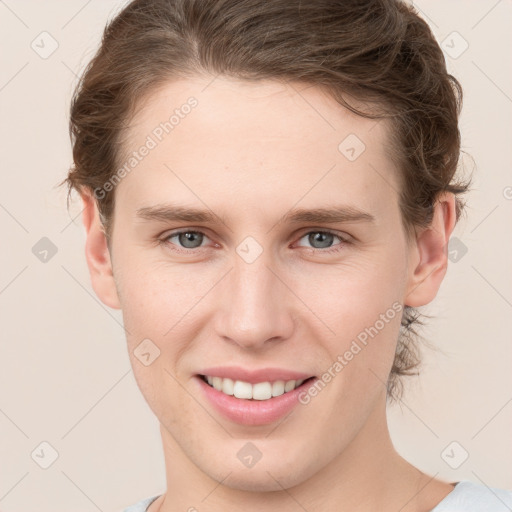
[(298, 383), (262, 391), (290, 384), (217, 383), (210, 380), (242, 389), (278, 388), (227, 386)]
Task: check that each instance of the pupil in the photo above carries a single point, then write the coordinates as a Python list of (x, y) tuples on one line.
[(325, 239), (188, 238)]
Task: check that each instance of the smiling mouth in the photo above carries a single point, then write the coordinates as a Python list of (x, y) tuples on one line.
[(259, 391)]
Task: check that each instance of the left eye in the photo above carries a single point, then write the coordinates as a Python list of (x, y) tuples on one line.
[(324, 239)]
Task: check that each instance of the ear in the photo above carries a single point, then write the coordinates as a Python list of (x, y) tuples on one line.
[(98, 255), (429, 254)]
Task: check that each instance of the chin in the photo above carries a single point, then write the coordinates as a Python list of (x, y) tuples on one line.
[(259, 481), (262, 477)]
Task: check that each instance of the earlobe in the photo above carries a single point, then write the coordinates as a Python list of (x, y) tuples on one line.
[(98, 255), (429, 255)]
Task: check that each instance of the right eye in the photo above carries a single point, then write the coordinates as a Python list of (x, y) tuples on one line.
[(189, 240)]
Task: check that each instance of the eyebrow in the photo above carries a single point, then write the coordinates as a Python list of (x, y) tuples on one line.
[(171, 213)]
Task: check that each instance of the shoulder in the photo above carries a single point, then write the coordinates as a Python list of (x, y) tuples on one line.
[(471, 497), (141, 506)]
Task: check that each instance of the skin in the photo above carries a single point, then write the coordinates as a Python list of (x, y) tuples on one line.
[(251, 152)]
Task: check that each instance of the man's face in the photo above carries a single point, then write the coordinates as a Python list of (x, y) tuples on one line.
[(252, 289)]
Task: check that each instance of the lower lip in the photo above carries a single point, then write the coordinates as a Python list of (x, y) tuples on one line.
[(253, 412)]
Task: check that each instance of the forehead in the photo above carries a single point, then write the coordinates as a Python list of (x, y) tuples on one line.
[(254, 143)]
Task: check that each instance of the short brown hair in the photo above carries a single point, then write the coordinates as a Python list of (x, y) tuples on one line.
[(377, 51)]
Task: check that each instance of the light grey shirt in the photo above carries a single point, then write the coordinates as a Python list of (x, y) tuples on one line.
[(465, 497)]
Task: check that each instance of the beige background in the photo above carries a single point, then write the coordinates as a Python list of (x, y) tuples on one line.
[(65, 377)]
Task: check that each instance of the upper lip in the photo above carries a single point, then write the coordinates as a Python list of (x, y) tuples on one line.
[(255, 375)]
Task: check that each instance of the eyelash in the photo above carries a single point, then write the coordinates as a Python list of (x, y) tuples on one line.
[(344, 241)]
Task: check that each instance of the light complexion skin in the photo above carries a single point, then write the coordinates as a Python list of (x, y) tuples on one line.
[(251, 154)]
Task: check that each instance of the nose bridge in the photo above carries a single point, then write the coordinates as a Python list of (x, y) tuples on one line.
[(255, 307)]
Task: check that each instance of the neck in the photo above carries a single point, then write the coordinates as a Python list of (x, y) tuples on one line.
[(368, 475)]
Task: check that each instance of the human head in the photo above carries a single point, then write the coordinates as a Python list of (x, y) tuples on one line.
[(375, 70), (379, 56), (379, 52)]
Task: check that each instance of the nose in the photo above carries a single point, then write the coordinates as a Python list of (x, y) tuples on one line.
[(255, 305)]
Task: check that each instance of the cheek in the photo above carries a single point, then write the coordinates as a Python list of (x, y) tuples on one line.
[(362, 306), (158, 313), (158, 298), (353, 295), (167, 301)]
